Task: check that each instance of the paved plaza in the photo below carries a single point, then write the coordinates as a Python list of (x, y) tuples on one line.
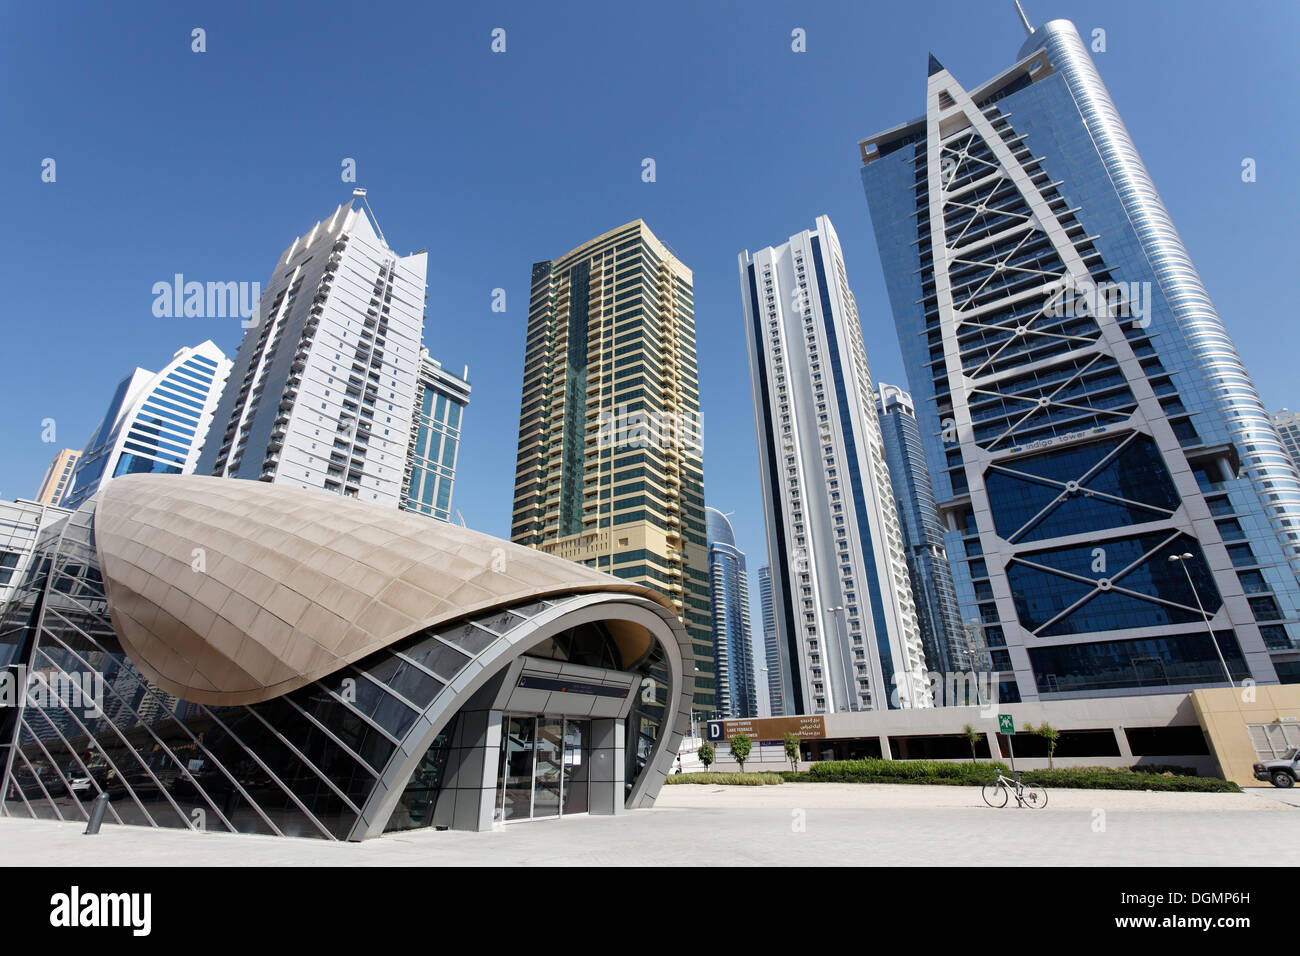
[(791, 824)]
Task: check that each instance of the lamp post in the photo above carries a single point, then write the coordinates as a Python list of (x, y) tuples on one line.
[(1182, 559)]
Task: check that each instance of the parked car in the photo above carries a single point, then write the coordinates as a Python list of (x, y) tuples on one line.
[(1281, 772)]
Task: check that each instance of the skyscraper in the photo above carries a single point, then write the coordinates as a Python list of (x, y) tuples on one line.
[(844, 610), (440, 399), (1287, 424), (155, 424), (771, 643), (733, 657), (21, 523), (1101, 462), (947, 641), (323, 386), (610, 471), (58, 477)]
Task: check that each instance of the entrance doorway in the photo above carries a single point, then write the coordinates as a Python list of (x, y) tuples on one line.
[(543, 767)]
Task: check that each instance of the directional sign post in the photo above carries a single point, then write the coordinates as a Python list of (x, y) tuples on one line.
[(1008, 726)]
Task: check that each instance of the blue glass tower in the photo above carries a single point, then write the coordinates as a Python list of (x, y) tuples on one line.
[(1119, 512), (771, 643), (948, 643), (156, 422), (440, 399), (729, 590)]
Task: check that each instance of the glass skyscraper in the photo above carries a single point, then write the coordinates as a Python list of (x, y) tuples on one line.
[(440, 400), (771, 645), (844, 610), (1287, 424), (733, 658), (1100, 459), (947, 640), (156, 422)]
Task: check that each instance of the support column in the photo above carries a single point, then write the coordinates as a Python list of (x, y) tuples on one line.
[(467, 798), (607, 763), (1121, 738)]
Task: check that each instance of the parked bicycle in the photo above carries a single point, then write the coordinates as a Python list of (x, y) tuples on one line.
[(1027, 794)]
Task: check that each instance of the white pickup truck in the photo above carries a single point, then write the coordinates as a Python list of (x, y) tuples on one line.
[(1281, 772)]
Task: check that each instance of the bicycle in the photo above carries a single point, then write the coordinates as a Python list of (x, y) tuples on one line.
[(1027, 794)]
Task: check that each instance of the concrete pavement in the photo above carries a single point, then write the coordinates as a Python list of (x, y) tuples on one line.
[(791, 824)]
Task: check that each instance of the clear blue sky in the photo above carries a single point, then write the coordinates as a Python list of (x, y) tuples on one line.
[(210, 164)]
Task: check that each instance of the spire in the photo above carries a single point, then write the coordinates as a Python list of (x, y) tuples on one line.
[(935, 66), (1024, 20)]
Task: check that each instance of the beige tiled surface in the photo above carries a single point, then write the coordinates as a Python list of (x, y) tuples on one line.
[(1225, 714), (294, 584)]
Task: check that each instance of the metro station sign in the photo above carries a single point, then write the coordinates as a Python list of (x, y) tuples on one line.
[(767, 728)]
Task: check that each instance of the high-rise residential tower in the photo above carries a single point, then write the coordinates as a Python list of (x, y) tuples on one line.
[(610, 470), (323, 387), (58, 477), (733, 656), (840, 590), (1119, 511), (771, 643), (156, 422), (440, 400), (946, 639), (1287, 424)]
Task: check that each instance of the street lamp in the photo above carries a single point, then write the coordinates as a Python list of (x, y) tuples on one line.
[(1183, 559)]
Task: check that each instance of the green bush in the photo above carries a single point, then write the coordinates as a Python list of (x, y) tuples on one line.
[(730, 779), (1123, 778), (875, 770), (1164, 768), (977, 774)]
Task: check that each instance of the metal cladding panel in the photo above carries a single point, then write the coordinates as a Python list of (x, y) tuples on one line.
[(225, 591)]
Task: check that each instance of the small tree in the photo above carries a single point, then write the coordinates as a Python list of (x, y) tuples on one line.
[(792, 750), (740, 746), (973, 738), (706, 754), (1048, 733)]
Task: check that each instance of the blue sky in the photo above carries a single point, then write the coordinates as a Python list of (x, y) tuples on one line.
[(210, 164)]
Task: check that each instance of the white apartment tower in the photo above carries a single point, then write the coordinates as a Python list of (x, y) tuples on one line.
[(323, 387), (846, 623)]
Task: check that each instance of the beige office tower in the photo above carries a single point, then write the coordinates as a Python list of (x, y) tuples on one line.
[(610, 471), (58, 477)]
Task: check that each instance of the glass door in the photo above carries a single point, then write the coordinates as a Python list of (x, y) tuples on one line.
[(577, 733), (544, 767), (516, 780), (546, 782)]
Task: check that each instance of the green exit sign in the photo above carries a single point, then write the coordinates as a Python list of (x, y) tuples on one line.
[(1005, 724)]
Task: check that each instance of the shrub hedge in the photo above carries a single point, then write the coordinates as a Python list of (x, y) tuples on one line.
[(978, 774), (1125, 778), (729, 779)]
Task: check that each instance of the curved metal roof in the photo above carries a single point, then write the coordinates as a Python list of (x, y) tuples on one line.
[(226, 591)]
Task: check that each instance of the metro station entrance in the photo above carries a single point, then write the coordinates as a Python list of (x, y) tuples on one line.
[(543, 770)]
